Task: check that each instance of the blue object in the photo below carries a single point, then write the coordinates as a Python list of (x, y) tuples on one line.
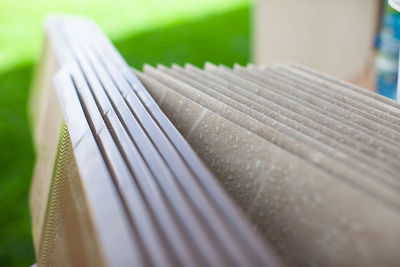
[(388, 44)]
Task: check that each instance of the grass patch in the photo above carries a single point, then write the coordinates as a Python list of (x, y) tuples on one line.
[(21, 22), (16, 162), (221, 39)]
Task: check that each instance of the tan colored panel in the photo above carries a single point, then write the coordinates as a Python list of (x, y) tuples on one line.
[(46, 151), (312, 218), (322, 34), (67, 238), (40, 93)]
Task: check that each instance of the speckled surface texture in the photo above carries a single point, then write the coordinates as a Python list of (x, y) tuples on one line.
[(312, 161)]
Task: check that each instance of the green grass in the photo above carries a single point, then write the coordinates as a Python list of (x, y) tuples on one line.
[(221, 38), (16, 161), (144, 31), (21, 21)]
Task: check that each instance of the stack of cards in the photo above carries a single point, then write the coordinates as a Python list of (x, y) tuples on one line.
[(305, 165), (313, 161), (125, 189)]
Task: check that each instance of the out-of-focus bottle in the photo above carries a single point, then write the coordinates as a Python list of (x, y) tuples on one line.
[(387, 61)]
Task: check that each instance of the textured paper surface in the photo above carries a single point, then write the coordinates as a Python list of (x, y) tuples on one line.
[(306, 209)]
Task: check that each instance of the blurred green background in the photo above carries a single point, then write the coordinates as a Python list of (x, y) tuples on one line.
[(145, 31)]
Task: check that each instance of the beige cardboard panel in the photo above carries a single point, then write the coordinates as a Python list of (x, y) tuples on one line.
[(205, 230), (367, 183), (41, 76), (187, 126), (305, 144), (279, 122), (319, 34), (200, 117), (325, 118), (308, 99), (339, 105), (204, 234), (119, 219), (322, 133), (311, 102), (279, 150), (48, 122), (40, 93), (309, 141), (383, 103), (341, 97), (68, 236), (46, 151), (297, 207), (110, 217), (81, 234), (41, 202), (174, 180)]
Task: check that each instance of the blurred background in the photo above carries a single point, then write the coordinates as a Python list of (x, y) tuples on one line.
[(356, 40)]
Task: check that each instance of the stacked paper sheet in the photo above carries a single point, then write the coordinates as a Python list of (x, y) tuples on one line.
[(123, 188), (305, 165), (313, 161)]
